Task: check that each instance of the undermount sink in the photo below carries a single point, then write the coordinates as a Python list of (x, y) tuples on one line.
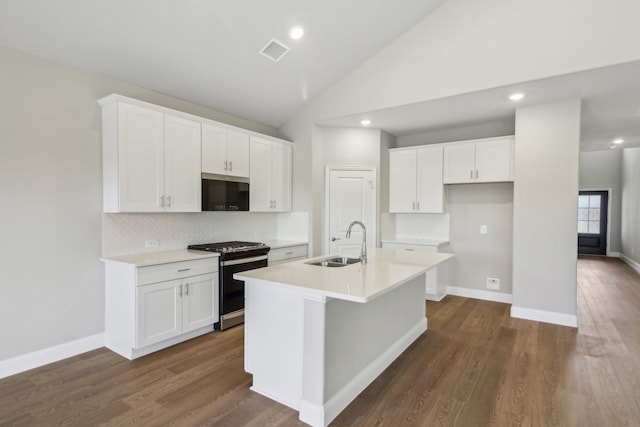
[(340, 261)]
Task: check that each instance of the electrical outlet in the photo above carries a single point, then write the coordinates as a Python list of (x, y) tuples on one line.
[(493, 283), (150, 243), (483, 229)]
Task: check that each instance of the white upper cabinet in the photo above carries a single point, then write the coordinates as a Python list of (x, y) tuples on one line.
[(483, 160), (415, 180), (151, 160), (182, 176), (134, 151), (270, 175), (224, 151)]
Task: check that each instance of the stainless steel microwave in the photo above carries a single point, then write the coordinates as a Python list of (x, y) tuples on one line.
[(222, 194)]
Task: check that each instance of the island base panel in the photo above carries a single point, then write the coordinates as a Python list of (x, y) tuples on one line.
[(320, 355)]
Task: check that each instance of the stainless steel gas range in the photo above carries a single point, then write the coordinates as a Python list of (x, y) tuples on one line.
[(235, 256)]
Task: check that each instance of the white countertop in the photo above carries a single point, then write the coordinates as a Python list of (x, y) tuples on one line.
[(277, 244), (427, 241), (386, 269), (155, 258)]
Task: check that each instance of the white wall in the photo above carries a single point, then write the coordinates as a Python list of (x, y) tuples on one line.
[(630, 224), (51, 278), (602, 170), (545, 202)]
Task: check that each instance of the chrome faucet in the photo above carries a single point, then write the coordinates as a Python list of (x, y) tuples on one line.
[(363, 250)]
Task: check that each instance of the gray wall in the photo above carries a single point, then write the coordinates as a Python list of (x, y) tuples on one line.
[(545, 203), (342, 147), (479, 256), (459, 133), (602, 170), (631, 204), (51, 278)]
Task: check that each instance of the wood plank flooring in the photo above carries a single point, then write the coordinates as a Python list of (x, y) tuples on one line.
[(475, 366)]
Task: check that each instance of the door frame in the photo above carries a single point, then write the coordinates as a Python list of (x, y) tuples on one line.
[(327, 212), (609, 192)]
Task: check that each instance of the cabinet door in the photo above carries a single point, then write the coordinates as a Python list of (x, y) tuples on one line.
[(260, 175), (140, 159), (238, 154), (459, 163), (281, 176), (214, 149), (159, 312), (430, 190), (200, 299), (183, 189), (494, 160), (402, 181)]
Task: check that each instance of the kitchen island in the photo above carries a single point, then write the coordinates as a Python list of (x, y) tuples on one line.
[(315, 337)]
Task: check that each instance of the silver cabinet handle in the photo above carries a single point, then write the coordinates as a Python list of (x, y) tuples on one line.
[(225, 165), (333, 239), (418, 206), (186, 289), (476, 173), (162, 201), (183, 270), (180, 290), (275, 204), (471, 174), (413, 206), (168, 201), (408, 249), (231, 165), (289, 253)]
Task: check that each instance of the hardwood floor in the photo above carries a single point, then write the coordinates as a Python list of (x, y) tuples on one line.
[(475, 366)]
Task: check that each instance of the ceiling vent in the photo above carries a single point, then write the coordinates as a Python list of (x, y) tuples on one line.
[(274, 50)]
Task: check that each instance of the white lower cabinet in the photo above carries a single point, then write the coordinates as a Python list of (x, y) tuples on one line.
[(287, 254), (152, 307), (168, 309), (436, 278)]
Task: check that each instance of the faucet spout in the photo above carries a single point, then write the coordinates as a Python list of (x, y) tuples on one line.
[(363, 249)]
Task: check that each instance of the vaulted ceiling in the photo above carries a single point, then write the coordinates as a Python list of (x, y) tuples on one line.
[(207, 52)]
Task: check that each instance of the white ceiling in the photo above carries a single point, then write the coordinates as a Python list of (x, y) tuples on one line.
[(610, 108), (206, 52)]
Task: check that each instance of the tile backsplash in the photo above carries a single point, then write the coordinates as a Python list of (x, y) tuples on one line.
[(124, 234)]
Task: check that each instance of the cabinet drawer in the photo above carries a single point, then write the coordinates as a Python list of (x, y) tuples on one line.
[(176, 270), (410, 247), (282, 254)]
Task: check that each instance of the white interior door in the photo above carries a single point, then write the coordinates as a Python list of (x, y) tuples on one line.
[(351, 197)]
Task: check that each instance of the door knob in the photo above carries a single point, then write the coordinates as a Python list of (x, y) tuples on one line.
[(333, 239)]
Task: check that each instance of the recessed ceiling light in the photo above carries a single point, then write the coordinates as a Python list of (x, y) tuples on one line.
[(365, 122), (296, 33), (618, 141), (516, 96)]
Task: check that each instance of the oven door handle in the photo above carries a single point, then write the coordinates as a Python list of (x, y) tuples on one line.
[(243, 260)]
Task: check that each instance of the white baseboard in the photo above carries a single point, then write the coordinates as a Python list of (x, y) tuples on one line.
[(635, 265), (45, 356), (614, 254), (316, 415), (545, 316), (480, 294)]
